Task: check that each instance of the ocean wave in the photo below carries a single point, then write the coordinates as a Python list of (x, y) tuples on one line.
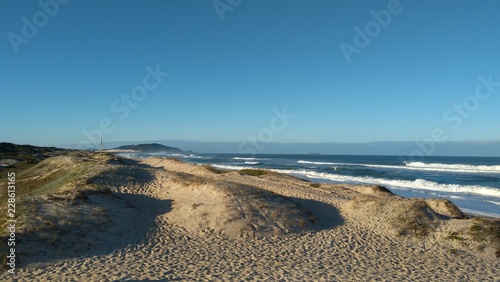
[(159, 154), (420, 166), (318, 163), (232, 167), (191, 156), (402, 184), (129, 155), (494, 202), (252, 163), (438, 167), (245, 159), (454, 167), (335, 166), (481, 213)]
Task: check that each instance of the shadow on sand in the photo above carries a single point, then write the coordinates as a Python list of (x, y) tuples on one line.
[(92, 222), (126, 220), (328, 216), (124, 172)]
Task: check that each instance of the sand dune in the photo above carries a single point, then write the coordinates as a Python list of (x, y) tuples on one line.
[(169, 220)]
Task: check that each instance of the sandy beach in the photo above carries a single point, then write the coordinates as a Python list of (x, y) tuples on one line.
[(166, 220), (232, 140)]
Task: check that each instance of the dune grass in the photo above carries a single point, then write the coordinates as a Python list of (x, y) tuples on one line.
[(253, 172), (486, 231), (215, 170)]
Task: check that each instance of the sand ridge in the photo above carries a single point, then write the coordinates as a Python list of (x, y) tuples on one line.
[(344, 242)]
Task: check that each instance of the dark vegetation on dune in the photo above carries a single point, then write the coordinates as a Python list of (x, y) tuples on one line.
[(23, 156)]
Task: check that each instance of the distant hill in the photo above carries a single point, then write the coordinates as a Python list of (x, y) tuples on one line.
[(153, 147)]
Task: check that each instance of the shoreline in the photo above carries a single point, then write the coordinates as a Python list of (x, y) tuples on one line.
[(473, 213), (432, 179), (167, 219)]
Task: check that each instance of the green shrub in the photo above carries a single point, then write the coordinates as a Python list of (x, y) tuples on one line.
[(456, 237)]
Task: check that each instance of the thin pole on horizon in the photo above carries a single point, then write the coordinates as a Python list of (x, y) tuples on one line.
[(100, 152)]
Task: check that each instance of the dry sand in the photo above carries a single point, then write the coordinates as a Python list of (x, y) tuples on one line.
[(181, 221)]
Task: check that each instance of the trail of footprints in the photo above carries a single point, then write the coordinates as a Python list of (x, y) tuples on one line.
[(170, 253)]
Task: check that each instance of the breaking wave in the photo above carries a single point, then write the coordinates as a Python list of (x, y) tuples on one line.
[(454, 167), (421, 166), (404, 184)]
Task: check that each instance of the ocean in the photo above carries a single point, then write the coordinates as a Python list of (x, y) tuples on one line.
[(471, 183)]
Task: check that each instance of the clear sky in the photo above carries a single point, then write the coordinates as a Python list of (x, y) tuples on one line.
[(66, 68)]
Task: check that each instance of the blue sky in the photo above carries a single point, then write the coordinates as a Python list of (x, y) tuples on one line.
[(227, 76)]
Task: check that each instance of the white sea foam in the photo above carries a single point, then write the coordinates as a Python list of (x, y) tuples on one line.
[(421, 166), (318, 163), (352, 164), (191, 156), (252, 163), (402, 184), (419, 184), (493, 202), (488, 214), (160, 153), (454, 167), (231, 167), (128, 155), (245, 159)]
